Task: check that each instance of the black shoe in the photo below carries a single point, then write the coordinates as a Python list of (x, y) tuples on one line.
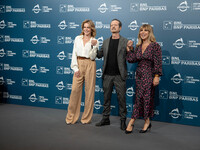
[(103, 122), (148, 129), (128, 132), (123, 125)]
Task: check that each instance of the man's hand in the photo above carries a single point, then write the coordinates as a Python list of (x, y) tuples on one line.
[(129, 45)]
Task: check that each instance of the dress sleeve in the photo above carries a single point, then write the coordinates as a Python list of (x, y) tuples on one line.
[(157, 58), (131, 56), (74, 63)]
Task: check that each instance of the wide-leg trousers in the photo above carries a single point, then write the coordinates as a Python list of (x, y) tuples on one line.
[(120, 86), (87, 70)]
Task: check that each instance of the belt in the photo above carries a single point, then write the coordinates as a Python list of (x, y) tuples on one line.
[(78, 57)]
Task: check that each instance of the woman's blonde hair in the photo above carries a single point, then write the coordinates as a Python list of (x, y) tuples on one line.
[(93, 30), (151, 35)]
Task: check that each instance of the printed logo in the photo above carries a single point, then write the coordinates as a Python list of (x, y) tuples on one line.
[(177, 78), (179, 43), (167, 25), (97, 104), (2, 24), (61, 55), (134, 7), (163, 94), (2, 53), (60, 85), (130, 92), (35, 39), (100, 40), (62, 25), (133, 25), (183, 6), (165, 60), (103, 8), (175, 113), (99, 73)]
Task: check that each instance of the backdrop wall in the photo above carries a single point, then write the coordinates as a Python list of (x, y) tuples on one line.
[(36, 43)]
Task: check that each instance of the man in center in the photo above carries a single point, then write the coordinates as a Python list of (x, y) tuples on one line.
[(114, 72)]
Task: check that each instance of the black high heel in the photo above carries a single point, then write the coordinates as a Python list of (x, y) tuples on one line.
[(148, 129), (128, 132)]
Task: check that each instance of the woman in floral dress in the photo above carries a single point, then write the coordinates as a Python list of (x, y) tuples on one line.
[(149, 57)]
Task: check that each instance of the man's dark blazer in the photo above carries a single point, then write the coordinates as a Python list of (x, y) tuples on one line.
[(121, 55)]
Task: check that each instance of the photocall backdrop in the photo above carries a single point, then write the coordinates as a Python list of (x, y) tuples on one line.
[(36, 43)]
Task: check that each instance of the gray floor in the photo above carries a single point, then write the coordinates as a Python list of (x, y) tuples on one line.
[(35, 128)]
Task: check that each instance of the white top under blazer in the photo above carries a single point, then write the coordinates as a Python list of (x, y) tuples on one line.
[(80, 50)]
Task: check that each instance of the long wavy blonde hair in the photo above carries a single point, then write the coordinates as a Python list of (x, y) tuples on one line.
[(151, 35), (93, 32)]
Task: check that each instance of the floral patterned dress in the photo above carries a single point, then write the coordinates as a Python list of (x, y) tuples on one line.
[(149, 64)]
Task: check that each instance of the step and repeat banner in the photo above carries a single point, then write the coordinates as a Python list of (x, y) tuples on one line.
[(36, 43)]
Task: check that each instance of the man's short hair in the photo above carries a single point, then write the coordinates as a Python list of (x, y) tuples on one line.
[(120, 23)]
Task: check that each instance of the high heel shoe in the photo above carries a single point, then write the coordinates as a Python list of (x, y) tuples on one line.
[(148, 129), (128, 132)]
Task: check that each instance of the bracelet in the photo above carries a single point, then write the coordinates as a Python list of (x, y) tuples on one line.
[(156, 75)]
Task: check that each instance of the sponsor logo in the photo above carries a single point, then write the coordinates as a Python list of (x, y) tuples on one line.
[(129, 107), (99, 73), (62, 25), (97, 104), (183, 6), (7, 38), (70, 8), (177, 78), (167, 25), (61, 55), (9, 9), (34, 69), (29, 82), (103, 8), (133, 25), (42, 40), (10, 96), (179, 43), (98, 89), (45, 9), (130, 92), (100, 25), (7, 67), (33, 54), (175, 113), (33, 98), (33, 24), (193, 44), (145, 7), (60, 85), (163, 94), (135, 7), (177, 61), (166, 60)]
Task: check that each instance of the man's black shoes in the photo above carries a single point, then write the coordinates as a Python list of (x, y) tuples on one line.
[(103, 122), (123, 125)]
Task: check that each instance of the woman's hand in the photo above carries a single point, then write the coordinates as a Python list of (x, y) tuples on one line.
[(93, 42), (156, 81), (77, 74)]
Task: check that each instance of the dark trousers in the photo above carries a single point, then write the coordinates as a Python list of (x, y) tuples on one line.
[(120, 86)]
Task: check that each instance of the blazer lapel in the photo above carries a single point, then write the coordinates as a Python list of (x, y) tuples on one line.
[(106, 48), (119, 45)]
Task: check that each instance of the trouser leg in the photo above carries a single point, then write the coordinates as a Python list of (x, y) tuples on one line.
[(90, 79), (107, 87), (120, 86)]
